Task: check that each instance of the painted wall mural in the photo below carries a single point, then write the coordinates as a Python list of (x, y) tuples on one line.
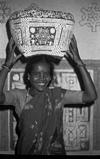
[(90, 16)]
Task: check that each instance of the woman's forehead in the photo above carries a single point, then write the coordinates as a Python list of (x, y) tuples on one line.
[(41, 66)]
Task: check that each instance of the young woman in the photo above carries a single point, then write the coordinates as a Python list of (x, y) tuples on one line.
[(40, 108)]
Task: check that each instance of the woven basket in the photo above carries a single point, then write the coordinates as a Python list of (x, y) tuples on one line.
[(37, 31)]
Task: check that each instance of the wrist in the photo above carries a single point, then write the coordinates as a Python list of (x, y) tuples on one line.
[(8, 63), (6, 66), (80, 64)]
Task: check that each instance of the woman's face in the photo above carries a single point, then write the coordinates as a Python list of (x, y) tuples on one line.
[(40, 76)]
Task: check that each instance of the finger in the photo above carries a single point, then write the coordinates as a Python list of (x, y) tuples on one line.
[(11, 43), (17, 58), (65, 53), (74, 41), (73, 36), (71, 48), (13, 48), (68, 55)]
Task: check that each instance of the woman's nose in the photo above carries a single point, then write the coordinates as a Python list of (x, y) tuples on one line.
[(42, 76)]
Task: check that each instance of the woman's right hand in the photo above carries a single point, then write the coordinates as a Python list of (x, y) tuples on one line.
[(11, 58)]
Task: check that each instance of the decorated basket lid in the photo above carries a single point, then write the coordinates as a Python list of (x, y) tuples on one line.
[(38, 31)]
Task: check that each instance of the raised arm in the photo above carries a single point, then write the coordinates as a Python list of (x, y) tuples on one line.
[(9, 62), (89, 92)]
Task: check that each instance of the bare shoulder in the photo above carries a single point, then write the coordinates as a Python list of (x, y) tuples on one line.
[(18, 92)]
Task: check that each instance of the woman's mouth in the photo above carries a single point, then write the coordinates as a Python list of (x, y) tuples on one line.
[(41, 84)]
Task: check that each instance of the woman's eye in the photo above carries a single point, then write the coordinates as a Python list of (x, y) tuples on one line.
[(36, 75), (39, 75), (46, 74)]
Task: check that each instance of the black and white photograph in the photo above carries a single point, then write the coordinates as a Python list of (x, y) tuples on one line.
[(50, 77)]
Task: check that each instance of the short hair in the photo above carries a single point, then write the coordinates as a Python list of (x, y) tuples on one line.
[(35, 59)]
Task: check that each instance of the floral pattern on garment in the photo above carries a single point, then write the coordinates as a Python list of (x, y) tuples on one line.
[(40, 118)]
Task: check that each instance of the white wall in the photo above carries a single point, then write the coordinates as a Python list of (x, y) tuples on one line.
[(88, 38)]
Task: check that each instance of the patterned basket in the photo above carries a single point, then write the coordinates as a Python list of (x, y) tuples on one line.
[(37, 31)]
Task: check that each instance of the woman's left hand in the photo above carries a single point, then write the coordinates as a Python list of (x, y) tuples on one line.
[(73, 53)]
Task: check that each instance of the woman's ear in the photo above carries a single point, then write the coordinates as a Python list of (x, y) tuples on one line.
[(28, 76)]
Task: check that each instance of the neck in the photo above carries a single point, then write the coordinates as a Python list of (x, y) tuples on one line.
[(33, 92)]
